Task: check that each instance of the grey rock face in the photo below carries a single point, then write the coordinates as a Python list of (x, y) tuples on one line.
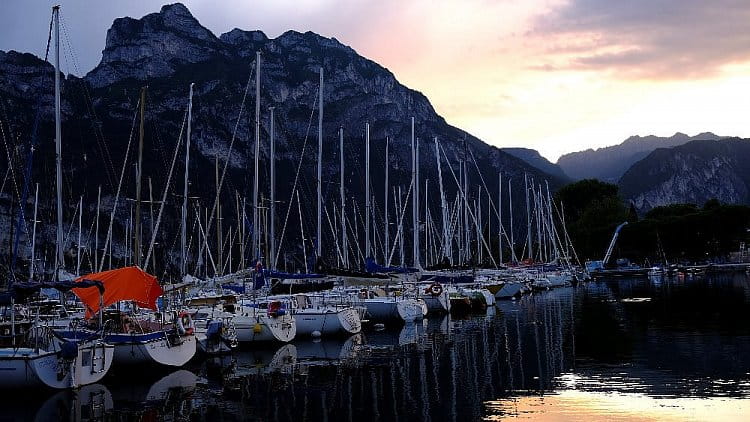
[(690, 173)]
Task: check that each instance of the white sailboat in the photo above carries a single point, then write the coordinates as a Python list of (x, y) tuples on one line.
[(315, 316), (436, 298), (40, 357), (260, 321), (139, 338), (382, 307)]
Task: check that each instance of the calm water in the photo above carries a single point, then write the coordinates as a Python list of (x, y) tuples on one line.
[(677, 349)]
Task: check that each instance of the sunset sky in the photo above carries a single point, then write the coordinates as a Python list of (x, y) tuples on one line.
[(553, 75)]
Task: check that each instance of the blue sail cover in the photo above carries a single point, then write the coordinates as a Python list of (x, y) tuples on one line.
[(372, 267), (20, 292), (259, 280), (292, 276), (237, 288)]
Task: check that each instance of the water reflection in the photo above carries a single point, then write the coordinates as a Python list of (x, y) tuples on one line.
[(142, 395), (671, 348)]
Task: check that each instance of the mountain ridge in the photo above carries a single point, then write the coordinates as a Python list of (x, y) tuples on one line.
[(534, 158), (690, 173), (610, 163)]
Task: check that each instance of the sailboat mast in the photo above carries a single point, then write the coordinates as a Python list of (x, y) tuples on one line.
[(59, 257), (510, 211), (500, 216), (386, 246), (78, 248), (528, 216), (256, 232), (319, 239), (344, 246), (447, 246), (33, 234), (139, 173), (466, 208), (415, 197), (272, 258), (426, 223), (183, 227), (367, 190), (96, 232)]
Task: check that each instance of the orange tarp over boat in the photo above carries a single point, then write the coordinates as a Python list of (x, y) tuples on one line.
[(129, 283)]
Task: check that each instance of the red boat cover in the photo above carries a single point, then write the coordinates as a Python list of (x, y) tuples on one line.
[(129, 283)]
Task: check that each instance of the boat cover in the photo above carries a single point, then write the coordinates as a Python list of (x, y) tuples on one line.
[(20, 292), (129, 283), (372, 267)]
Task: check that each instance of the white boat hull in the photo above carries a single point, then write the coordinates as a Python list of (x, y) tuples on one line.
[(27, 368), (265, 329), (510, 290), (388, 309), (328, 322), (440, 304), (136, 349)]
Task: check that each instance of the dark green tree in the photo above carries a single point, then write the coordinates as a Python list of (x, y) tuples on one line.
[(632, 214), (592, 211)]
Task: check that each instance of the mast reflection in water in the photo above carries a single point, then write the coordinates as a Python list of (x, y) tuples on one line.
[(628, 350)]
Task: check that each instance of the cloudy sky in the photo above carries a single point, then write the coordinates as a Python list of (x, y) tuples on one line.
[(553, 75)]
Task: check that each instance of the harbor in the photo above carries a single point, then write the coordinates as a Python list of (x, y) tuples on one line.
[(569, 352)]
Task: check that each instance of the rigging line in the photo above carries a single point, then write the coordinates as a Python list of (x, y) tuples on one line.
[(336, 240), (119, 187), (401, 222), (166, 189), (204, 241), (502, 228), (175, 238), (190, 239), (565, 234), (11, 166), (497, 212), (70, 228), (229, 153), (98, 134), (471, 213), (355, 229), (296, 179), (5, 179), (49, 37)]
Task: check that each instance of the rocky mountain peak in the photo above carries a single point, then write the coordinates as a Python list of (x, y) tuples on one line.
[(239, 37), (154, 46), (178, 18), (680, 136), (25, 76)]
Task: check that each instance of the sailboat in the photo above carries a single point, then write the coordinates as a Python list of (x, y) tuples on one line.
[(138, 338), (41, 357), (321, 315)]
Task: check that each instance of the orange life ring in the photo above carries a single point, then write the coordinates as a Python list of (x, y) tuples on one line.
[(435, 289), (185, 324)]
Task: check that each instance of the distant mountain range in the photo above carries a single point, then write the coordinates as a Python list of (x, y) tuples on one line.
[(694, 172), (535, 159), (610, 163), (653, 171)]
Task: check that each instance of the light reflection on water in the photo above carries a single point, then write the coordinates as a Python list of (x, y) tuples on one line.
[(622, 350), (574, 405)]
